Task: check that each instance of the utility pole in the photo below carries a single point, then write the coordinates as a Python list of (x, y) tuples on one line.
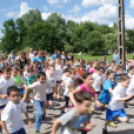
[(121, 34)]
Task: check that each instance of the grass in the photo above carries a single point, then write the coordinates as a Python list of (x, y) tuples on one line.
[(97, 57)]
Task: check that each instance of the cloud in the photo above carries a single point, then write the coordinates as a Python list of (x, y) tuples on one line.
[(11, 14), (58, 6), (57, 1), (45, 15), (45, 8), (1, 34), (132, 4), (91, 3), (129, 21), (75, 9), (24, 9)]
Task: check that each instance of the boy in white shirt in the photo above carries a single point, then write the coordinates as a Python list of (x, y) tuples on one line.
[(51, 89), (11, 120), (5, 82), (115, 106), (97, 80), (39, 93)]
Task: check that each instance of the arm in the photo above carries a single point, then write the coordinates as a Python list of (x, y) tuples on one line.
[(71, 95), (55, 126), (126, 98), (4, 127), (25, 95), (3, 96), (110, 90)]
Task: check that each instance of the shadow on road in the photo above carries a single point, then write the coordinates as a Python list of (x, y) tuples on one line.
[(128, 131)]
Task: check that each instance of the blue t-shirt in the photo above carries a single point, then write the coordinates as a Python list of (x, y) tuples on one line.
[(54, 56), (116, 58), (41, 59), (117, 77), (105, 97)]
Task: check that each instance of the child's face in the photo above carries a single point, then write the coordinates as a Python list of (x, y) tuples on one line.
[(67, 74), (42, 79), (15, 72), (115, 69), (131, 71), (14, 97), (26, 68), (89, 80), (72, 76), (101, 71), (31, 74), (111, 77), (51, 71), (125, 83), (7, 75), (85, 105), (120, 71)]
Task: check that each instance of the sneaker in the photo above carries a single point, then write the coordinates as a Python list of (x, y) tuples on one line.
[(37, 132), (43, 116), (126, 106), (104, 131), (112, 124)]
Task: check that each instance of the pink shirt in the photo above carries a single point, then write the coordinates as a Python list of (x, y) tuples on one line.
[(87, 89), (91, 70)]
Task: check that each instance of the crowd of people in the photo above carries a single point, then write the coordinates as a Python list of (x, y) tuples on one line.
[(38, 77)]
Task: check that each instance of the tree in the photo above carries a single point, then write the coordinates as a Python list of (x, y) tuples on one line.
[(94, 41), (9, 41)]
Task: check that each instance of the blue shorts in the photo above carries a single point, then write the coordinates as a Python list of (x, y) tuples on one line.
[(21, 90), (110, 115), (1, 107), (50, 97), (58, 82), (21, 131)]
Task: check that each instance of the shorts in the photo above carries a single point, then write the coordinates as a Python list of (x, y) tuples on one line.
[(21, 90), (21, 131), (1, 107), (130, 99), (97, 92), (50, 97), (110, 115), (58, 82)]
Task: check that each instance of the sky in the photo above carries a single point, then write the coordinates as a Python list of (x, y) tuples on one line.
[(101, 11)]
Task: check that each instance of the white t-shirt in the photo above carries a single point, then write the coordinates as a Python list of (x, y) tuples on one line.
[(59, 72), (71, 83), (64, 77), (4, 84), (31, 56), (51, 83), (130, 89), (25, 74), (131, 76), (12, 116), (39, 90), (103, 78), (97, 82), (118, 92)]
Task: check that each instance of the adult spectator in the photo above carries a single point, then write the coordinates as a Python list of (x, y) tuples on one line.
[(56, 54), (70, 57), (116, 57), (39, 58), (106, 61), (12, 57), (31, 54), (63, 57), (22, 59)]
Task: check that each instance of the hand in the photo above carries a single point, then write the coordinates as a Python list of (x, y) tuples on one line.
[(90, 126), (30, 123), (4, 96)]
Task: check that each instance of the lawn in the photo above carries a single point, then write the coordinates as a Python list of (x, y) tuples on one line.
[(97, 57)]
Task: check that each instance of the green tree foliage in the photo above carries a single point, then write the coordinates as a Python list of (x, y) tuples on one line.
[(94, 41)]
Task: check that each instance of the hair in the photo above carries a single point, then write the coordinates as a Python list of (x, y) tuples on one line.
[(50, 67), (72, 71), (6, 69), (97, 68), (37, 63), (12, 89), (66, 70), (41, 74), (113, 62), (115, 66), (109, 72), (16, 68), (51, 63), (82, 96), (30, 70), (131, 68), (78, 82), (124, 77), (85, 75), (16, 63)]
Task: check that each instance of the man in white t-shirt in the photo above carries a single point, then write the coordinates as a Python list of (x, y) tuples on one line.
[(11, 120), (31, 54), (115, 106), (39, 93)]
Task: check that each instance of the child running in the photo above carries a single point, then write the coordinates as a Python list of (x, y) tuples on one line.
[(115, 106), (72, 120)]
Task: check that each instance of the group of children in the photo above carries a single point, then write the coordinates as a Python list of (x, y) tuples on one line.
[(87, 86)]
